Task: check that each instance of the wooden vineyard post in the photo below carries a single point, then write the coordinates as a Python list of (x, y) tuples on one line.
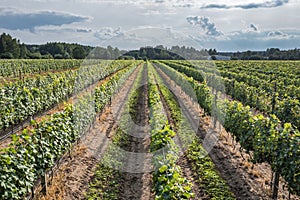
[(32, 193), (233, 89), (274, 98), (275, 181), (43, 176), (272, 177), (44, 183), (20, 75), (215, 105), (275, 186)]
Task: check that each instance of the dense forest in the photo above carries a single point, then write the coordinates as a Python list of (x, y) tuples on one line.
[(174, 53), (269, 54), (12, 48)]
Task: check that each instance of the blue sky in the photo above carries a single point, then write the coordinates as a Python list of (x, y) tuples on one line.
[(223, 24)]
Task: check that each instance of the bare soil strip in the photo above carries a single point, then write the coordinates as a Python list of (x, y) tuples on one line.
[(183, 160), (137, 185), (246, 180), (234, 178), (73, 176)]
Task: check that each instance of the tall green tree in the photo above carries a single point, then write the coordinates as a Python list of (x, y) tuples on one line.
[(23, 51), (79, 53), (9, 46)]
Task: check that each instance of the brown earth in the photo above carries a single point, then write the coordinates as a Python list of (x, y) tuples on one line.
[(137, 178), (72, 179), (183, 161), (246, 180)]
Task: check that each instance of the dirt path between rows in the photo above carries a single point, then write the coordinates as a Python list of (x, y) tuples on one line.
[(183, 161), (246, 180), (228, 168), (73, 176), (137, 178)]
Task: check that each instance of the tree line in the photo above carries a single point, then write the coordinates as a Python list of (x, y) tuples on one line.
[(174, 53), (11, 48), (269, 54)]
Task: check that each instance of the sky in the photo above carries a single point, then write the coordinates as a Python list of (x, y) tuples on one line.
[(227, 25)]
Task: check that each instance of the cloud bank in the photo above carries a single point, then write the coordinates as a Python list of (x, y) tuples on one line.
[(266, 4), (148, 36), (15, 20)]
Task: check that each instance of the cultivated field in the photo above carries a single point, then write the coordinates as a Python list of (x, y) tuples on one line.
[(161, 129)]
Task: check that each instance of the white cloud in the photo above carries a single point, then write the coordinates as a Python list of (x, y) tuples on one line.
[(253, 40), (55, 29), (150, 36), (269, 26), (277, 35), (106, 33), (205, 24)]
